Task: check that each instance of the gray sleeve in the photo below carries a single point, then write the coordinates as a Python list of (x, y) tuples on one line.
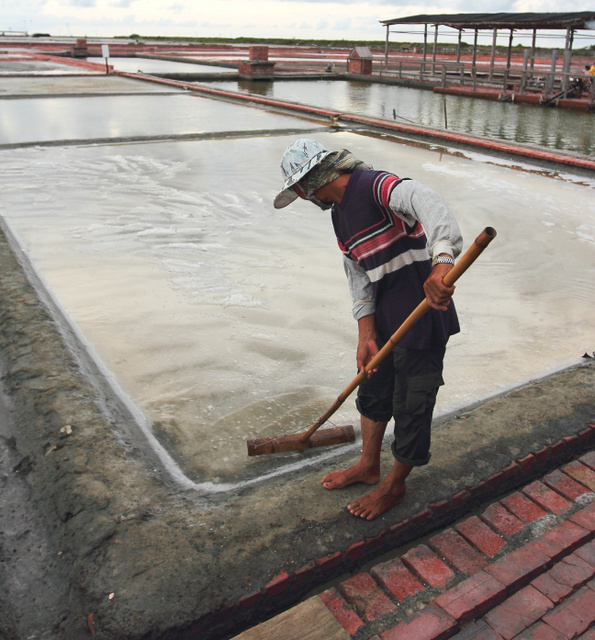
[(412, 201), (360, 288)]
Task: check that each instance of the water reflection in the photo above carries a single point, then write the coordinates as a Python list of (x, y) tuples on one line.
[(550, 127)]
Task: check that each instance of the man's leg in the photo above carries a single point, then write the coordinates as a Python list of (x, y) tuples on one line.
[(418, 374), (389, 493), (367, 469)]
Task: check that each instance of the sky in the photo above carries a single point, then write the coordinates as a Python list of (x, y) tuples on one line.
[(319, 19)]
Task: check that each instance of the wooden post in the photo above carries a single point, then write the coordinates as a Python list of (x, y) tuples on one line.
[(459, 46), (435, 49), (509, 50), (423, 64), (474, 59), (493, 56), (386, 49)]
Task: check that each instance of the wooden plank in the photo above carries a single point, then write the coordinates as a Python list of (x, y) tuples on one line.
[(309, 620)]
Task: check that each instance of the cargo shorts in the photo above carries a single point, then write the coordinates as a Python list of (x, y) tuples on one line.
[(405, 388)]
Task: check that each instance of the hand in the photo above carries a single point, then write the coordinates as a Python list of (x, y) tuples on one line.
[(366, 350), (367, 347), (438, 294)]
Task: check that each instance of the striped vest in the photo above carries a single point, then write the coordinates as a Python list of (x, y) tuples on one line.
[(394, 255)]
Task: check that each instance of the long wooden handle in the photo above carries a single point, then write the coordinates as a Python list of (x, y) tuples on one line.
[(465, 261)]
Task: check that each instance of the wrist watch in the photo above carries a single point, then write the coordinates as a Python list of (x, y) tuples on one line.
[(442, 260)]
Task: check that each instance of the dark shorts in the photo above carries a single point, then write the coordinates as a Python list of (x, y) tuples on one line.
[(405, 388)]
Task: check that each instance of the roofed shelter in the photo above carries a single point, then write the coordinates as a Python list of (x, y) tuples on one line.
[(495, 22)]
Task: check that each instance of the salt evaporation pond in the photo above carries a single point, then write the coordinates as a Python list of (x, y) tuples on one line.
[(548, 127), (152, 65), (225, 320), (77, 118)]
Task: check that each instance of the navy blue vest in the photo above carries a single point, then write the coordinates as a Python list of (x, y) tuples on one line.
[(394, 255)]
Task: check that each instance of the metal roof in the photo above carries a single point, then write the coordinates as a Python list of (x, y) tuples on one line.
[(576, 20)]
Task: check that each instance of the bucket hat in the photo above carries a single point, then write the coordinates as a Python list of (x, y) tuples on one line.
[(299, 158)]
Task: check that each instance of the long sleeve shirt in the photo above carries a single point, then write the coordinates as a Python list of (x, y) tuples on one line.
[(412, 202)]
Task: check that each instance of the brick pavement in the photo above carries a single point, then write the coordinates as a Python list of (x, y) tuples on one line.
[(522, 569)]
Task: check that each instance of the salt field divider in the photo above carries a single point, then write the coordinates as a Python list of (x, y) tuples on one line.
[(538, 154)]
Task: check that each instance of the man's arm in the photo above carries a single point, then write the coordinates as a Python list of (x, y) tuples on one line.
[(360, 288), (414, 202), (362, 295)]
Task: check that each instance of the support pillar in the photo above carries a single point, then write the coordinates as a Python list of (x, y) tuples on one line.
[(493, 55), (435, 49)]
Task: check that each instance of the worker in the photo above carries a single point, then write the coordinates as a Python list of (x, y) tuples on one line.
[(399, 240)]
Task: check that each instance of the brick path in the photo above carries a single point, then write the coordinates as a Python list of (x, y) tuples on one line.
[(522, 569)]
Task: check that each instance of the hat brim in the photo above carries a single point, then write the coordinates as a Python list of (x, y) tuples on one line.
[(287, 196)]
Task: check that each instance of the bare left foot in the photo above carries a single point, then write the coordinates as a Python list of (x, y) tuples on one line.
[(384, 497)]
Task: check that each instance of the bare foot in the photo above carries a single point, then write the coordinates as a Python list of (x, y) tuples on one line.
[(384, 497), (356, 473)]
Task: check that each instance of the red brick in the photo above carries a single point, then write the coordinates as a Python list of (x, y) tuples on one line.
[(355, 550), (587, 553), (575, 615), (519, 567), (523, 508), (557, 447), (571, 441), (472, 598), (305, 574), (589, 458), (518, 613), (363, 592), (397, 579), (542, 454), (428, 566), (550, 588), (330, 562), (249, 601), (431, 623), (278, 584), (420, 518), (589, 635), (586, 436), (481, 536), (573, 571), (460, 498), (511, 470), (564, 577), (561, 540), (439, 507), (496, 478), (478, 630), (581, 473), (565, 485), (585, 517), (539, 631), (458, 552), (501, 520), (527, 461), (399, 527), (546, 498), (343, 612), (378, 540)]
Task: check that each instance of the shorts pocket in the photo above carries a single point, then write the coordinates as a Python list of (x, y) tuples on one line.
[(422, 392)]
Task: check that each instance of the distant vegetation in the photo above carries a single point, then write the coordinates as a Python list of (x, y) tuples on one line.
[(346, 44)]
